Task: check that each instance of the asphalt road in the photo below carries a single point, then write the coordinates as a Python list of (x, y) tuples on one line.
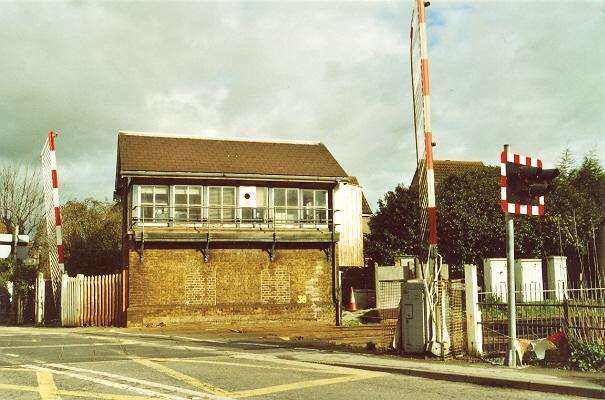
[(45, 363)]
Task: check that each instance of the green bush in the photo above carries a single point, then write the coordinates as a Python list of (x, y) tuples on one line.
[(587, 356)]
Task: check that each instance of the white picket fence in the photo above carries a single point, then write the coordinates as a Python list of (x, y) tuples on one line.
[(93, 300)]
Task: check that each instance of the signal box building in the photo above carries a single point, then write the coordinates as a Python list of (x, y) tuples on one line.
[(236, 229)]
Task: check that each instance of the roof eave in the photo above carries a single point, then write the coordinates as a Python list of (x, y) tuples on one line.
[(227, 175)]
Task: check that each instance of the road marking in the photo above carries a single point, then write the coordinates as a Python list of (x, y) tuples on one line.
[(301, 385), (102, 396), (181, 377), (7, 386), (153, 344), (157, 335), (105, 382), (138, 381), (235, 364), (304, 364), (46, 386), (64, 345)]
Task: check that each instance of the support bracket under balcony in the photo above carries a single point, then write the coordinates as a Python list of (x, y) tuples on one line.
[(272, 250), (141, 248), (206, 250)]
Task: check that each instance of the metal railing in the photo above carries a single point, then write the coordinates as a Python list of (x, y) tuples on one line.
[(576, 309), (233, 217)]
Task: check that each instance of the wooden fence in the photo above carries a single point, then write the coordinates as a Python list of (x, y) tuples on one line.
[(94, 300)]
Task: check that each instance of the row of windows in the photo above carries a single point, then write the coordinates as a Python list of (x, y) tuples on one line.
[(187, 203)]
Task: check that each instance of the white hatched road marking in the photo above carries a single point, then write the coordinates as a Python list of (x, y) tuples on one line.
[(139, 381), (105, 382)]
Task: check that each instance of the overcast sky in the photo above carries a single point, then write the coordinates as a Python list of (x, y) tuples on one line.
[(531, 74)]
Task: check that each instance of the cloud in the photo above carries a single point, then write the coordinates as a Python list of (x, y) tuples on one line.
[(525, 73)]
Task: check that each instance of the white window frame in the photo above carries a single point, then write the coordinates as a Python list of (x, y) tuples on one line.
[(141, 205), (188, 206), (314, 208), (256, 222), (285, 208), (222, 207)]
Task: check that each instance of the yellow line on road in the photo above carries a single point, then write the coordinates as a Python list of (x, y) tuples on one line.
[(102, 396), (281, 368), (46, 386), (300, 385), (181, 377), (6, 386), (91, 395)]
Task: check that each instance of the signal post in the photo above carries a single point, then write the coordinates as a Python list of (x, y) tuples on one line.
[(523, 183)]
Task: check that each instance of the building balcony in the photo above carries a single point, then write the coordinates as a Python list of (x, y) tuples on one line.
[(232, 224)]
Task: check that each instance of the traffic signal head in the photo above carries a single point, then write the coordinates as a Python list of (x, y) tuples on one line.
[(524, 183)]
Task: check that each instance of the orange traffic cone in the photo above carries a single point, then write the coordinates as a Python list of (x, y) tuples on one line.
[(352, 306)]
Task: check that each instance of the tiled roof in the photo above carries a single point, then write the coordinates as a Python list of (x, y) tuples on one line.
[(445, 168), (170, 153)]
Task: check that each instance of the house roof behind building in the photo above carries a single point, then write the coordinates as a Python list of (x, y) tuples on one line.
[(195, 154), (445, 168)]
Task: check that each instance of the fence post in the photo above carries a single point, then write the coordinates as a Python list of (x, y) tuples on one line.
[(80, 300), (473, 314), (566, 322), (39, 305), (63, 311)]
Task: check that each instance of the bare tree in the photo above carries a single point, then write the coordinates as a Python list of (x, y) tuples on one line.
[(21, 198)]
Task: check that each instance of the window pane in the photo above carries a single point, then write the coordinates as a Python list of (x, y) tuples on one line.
[(247, 214), (195, 195), (321, 216), (229, 196), (321, 198), (146, 194), (161, 213), (280, 215), (229, 214), (307, 215), (292, 197), (161, 195), (292, 215), (180, 195), (214, 196), (279, 197), (147, 213), (261, 197), (307, 198), (195, 213), (214, 214), (261, 214), (180, 214)]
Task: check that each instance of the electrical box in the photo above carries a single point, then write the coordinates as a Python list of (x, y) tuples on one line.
[(528, 280), (413, 317), (556, 274), (495, 277)]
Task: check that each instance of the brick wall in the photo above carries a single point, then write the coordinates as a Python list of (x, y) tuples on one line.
[(172, 284)]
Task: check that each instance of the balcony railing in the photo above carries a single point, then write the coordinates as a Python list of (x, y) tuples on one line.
[(232, 217)]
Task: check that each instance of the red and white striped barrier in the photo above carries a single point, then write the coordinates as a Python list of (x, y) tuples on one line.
[(422, 110), (517, 208), (54, 235)]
